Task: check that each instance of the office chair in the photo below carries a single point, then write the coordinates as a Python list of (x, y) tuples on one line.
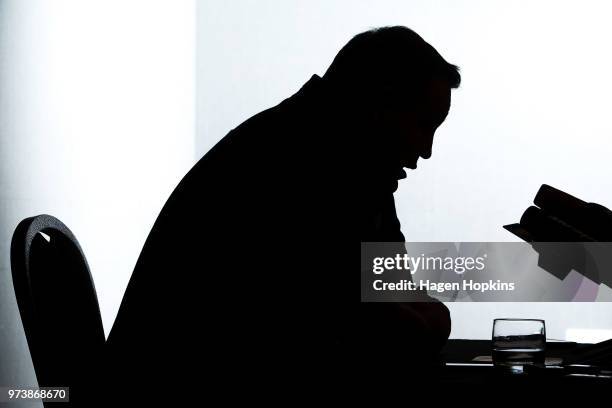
[(57, 303)]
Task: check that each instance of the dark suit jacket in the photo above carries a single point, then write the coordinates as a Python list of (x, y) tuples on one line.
[(252, 262)]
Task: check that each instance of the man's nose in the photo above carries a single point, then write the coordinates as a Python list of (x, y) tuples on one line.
[(426, 146)]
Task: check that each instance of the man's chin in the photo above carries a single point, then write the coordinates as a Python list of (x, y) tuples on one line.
[(393, 183), (393, 186), (387, 184), (383, 187)]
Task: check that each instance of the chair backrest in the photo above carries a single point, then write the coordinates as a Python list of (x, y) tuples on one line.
[(57, 302)]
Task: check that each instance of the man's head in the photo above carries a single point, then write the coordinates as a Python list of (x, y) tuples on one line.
[(396, 90)]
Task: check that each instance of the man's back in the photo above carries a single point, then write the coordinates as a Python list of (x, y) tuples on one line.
[(242, 266)]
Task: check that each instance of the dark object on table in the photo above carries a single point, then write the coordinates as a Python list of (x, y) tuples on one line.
[(599, 354), (57, 303)]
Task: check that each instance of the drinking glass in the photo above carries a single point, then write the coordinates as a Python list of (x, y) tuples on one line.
[(518, 343)]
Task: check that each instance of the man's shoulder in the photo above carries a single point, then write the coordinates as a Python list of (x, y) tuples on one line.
[(286, 114), (292, 112)]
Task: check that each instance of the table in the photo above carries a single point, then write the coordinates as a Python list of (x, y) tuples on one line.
[(484, 376)]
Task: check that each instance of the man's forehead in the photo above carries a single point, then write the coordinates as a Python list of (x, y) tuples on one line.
[(439, 94), (438, 98)]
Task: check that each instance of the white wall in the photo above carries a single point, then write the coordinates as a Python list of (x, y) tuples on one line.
[(533, 109), (97, 124)]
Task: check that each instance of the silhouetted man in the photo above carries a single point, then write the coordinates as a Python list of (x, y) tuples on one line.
[(249, 275)]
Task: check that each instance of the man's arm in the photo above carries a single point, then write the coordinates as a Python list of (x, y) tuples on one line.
[(424, 324)]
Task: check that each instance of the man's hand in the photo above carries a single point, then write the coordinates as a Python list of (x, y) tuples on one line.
[(420, 328)]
